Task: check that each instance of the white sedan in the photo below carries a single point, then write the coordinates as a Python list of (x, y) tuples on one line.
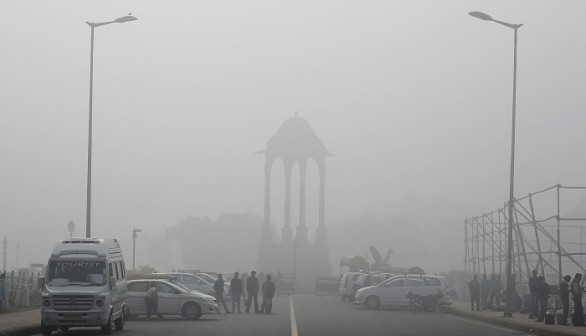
[(173, 299), (393, 292)]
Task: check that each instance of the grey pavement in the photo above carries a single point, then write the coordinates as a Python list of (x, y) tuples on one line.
[(26, 322), (518, 321)]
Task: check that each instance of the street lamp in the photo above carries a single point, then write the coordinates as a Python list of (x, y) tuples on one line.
[(5, 245), (510, 288), (134, 234), (93, 25)]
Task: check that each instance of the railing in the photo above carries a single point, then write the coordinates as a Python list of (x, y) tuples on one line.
[(23, 290)]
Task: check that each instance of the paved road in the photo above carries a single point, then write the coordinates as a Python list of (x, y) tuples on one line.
[(312, 316)]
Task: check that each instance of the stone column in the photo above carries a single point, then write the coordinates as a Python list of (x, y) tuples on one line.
[(287, 237), (302, 227), (267, 219)]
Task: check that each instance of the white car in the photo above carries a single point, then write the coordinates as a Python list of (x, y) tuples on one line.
[(173, 299), (192, 282), (393, 292)]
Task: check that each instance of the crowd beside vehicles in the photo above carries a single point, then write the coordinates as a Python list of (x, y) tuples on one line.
[(86, 285)]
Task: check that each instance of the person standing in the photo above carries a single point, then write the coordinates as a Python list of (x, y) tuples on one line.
[(152, 302), (533, 284), (484, 291), (219, 291), (252, 289), (244, 279), (495, 290), (543, 292), (268, 291), (576, 290), (474, 287), (236, 292), (564, 287)]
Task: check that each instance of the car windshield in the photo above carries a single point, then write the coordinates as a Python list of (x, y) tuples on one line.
[(76, 272)]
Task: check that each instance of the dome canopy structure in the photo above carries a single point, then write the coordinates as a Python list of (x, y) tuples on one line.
[(295, 141)]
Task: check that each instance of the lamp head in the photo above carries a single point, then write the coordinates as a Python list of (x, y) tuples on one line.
[(126, 18), (481, 16)]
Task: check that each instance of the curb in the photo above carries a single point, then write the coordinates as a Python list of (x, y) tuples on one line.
[(538, 329), (22, 331)]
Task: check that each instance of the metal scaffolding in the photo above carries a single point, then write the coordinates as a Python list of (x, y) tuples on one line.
[(543, 238)]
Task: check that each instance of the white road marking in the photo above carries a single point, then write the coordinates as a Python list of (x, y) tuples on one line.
[(293, 321), (486, 325)]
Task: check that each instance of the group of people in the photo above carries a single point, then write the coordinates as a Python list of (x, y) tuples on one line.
[(485, 292), (247, 287), (568, 287)]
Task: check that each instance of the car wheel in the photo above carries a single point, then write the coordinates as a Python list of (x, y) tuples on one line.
[(372, 302), (119, 323), (107, 328), (191, 311)]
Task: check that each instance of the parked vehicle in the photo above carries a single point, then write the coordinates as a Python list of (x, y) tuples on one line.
[(429, 303), (173, 299), (393, 292), (347, 283), (192, 282), (85, 286)]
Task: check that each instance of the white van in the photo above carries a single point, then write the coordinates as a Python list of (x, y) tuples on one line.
[(85, 286)]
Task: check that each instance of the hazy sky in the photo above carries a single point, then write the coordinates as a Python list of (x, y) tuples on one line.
[(412, 97)]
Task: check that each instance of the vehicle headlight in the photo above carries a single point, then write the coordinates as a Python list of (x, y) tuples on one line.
[(47, 303), (100, 303)]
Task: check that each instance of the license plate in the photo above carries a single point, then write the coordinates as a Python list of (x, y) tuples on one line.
[(72, 315)]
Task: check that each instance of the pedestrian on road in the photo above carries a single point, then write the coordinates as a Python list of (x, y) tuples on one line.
[(268, 291), (495, 290), (533, 284), (564, 287), (236, 292), (151, 300), (219, 290), (543, 292), (484, 291), (244, 293), (576, 290), (3, 292), (474, 287), (252, 288)]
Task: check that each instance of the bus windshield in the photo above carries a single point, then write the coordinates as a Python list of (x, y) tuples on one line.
[(76, 272)]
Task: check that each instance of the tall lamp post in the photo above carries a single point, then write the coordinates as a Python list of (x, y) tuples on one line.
[(510, 286), (93, 25), (5, 245), (134, 234)]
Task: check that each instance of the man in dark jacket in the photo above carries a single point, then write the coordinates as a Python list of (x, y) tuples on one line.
[(576, 290), (268, 291), (474, 287), (219, 290), (236, 292), (533, 284), (543, 291), (484, 291), (564, 287), (252, 289)]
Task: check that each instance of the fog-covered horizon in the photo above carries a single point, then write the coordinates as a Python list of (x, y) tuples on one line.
[(413, 99)]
